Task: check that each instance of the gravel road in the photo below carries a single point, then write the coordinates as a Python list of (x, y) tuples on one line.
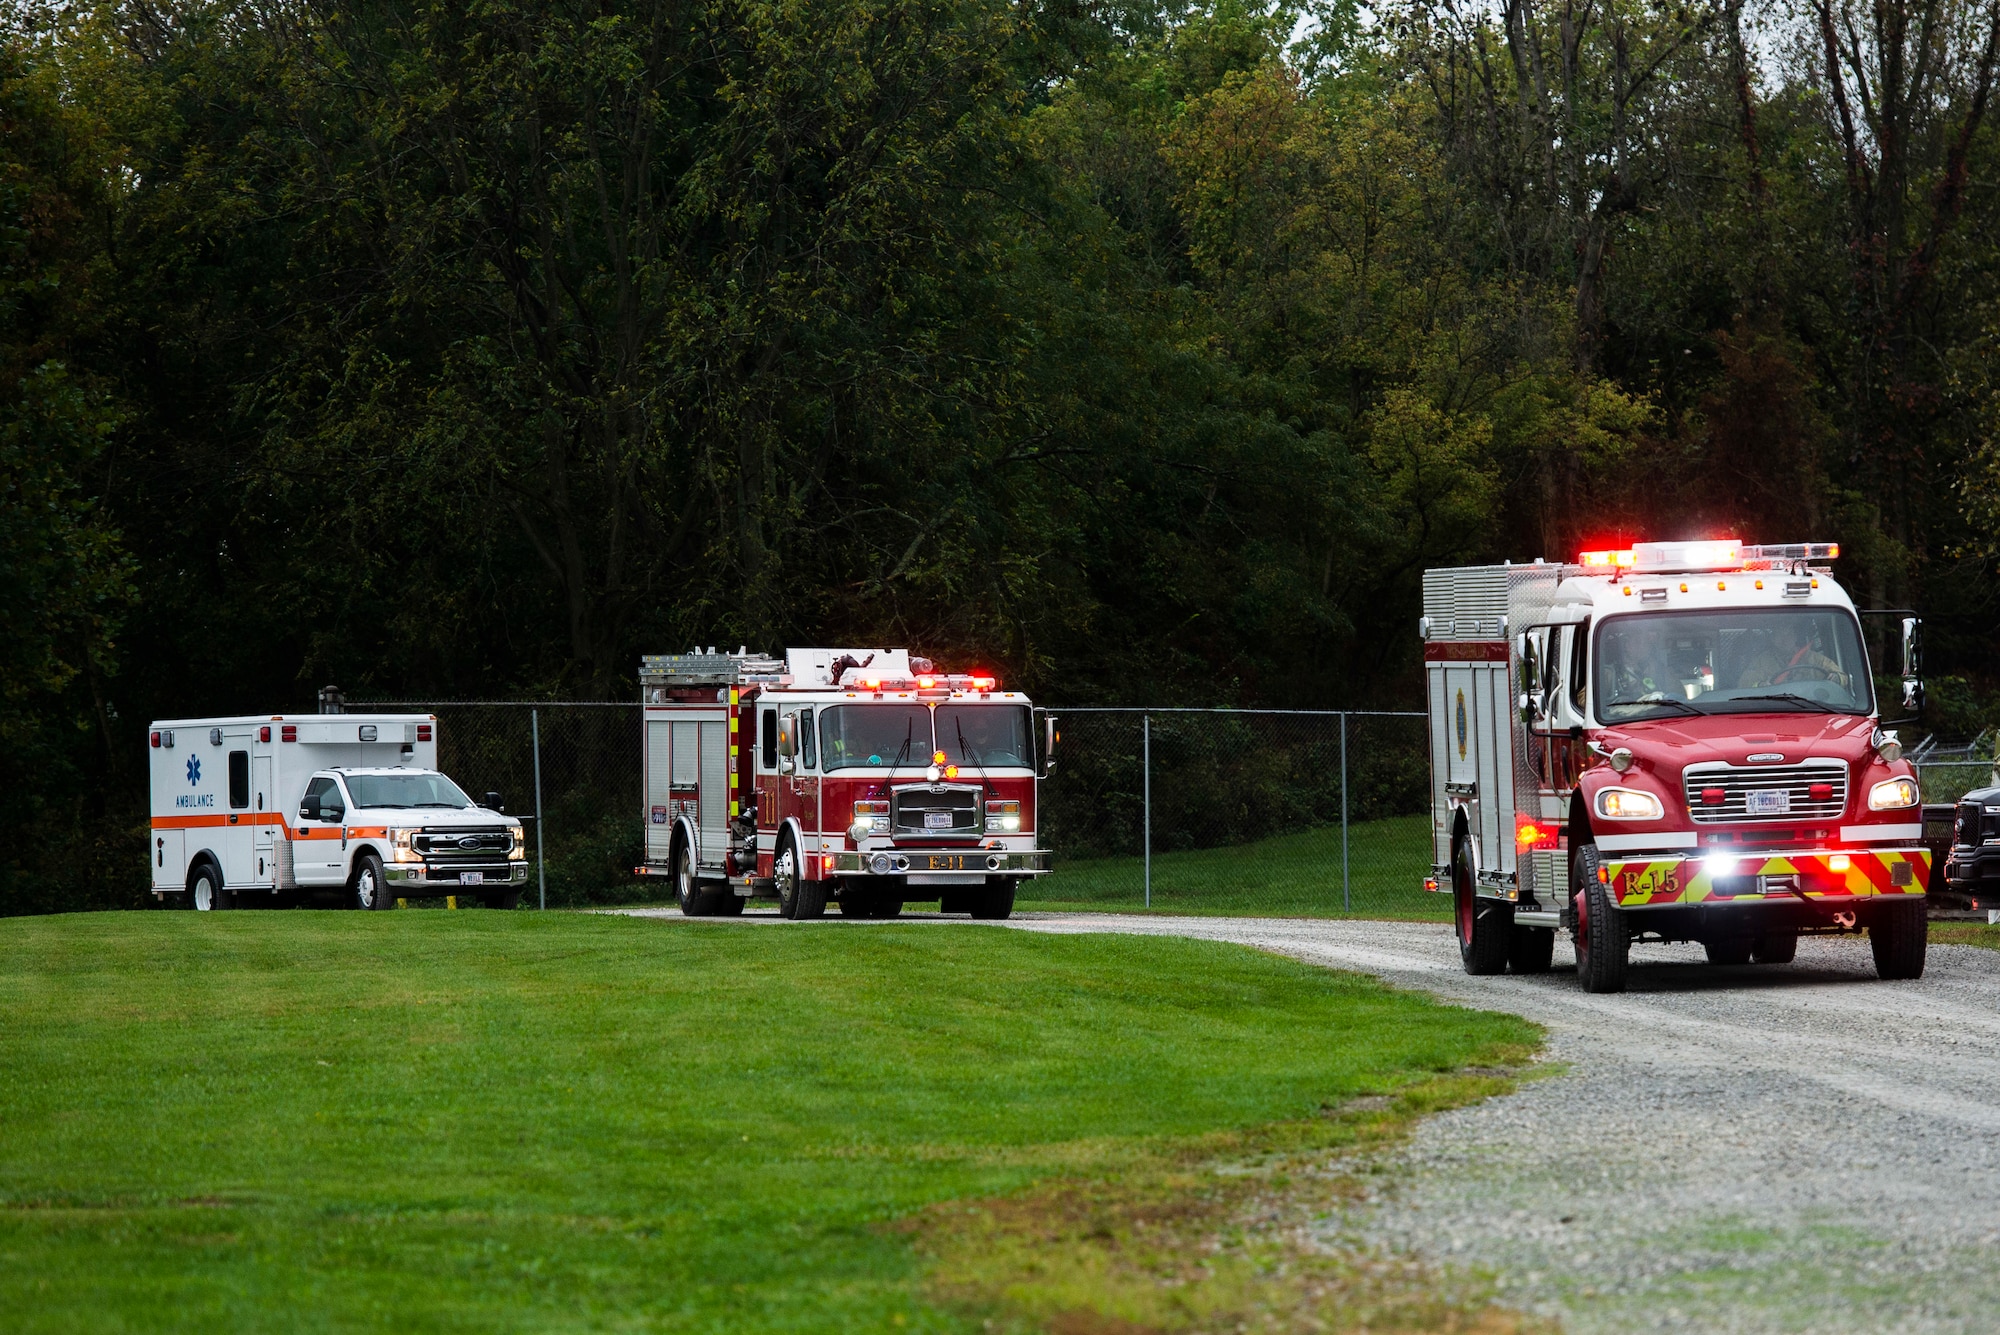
[(1786, 1148)]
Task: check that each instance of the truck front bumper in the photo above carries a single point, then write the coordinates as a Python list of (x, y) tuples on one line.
[(944, 861), (493, 873), (1832, 877)]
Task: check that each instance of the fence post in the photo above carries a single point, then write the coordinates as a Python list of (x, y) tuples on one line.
[(1146, 752), (1346, 898), (541, 864)]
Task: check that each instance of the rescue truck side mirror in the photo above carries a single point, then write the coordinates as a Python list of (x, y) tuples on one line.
[(1913, 666), (1530, 703), (493, 802), (1049, 739), (788, 737)]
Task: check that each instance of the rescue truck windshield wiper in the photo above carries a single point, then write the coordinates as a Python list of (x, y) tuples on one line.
[(1658, 701), (1789, 697)]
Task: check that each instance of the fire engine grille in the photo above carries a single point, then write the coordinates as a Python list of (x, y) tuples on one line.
[(475, 845), (1738, 784), (935, 811)]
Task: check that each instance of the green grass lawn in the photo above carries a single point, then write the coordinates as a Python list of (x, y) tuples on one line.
[(1292, 874), (513, 1121)]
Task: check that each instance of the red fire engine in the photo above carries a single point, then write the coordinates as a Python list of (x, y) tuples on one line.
[(860, 777), (1675, 742)]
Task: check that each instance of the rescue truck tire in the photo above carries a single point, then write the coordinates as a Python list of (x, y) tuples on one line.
[(368, 888), (1899, 936), (1531, 949), (730, 904), (1484, 926), (1777, 948), (502, 899), (1731, 951), (798, 898), (694, 901), (205, 891), (996, 900), (1603, 936)]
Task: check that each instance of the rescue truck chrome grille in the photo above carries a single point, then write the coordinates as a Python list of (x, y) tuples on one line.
[(479, 844), (946, 812), (1749, 793)]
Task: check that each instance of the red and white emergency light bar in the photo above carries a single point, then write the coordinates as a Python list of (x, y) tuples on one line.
[(1721, 554), (927, 681)]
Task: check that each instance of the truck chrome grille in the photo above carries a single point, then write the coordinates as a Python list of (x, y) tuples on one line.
[(1738, 782), (935, 812), (479, 844)]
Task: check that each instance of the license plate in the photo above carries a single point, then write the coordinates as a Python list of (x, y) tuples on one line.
[(1768, 801), (937, 820), (948, 862), (471, 877)]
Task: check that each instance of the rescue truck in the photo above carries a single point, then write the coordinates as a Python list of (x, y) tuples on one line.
[(1678, 741), (265, 809), (863, 778)]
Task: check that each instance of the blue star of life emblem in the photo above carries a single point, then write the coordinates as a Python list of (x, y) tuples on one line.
[(194, 770)]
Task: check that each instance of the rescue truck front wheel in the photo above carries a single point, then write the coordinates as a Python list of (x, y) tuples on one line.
[(1603, 937), (369, 889), (1484, 926), (1899, 936), (996, 901), (798, 898), (502, 899)]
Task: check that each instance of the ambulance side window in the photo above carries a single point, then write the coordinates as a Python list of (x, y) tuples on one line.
[(805, 725), (769, 738), (317, 794), (239, 780), (1579, 675)]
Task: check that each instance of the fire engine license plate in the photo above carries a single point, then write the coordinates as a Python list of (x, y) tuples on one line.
[(937, 820), (948, 862), (1768, 801), (471, 877)]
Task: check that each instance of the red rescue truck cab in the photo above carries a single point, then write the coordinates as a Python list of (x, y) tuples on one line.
[(858, 777), (1675, 742)]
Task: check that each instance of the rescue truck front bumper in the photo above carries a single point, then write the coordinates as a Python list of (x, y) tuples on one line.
[(449, 874), (941, 861), (1801, 888)]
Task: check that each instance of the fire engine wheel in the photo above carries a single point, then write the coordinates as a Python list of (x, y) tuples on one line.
[(1777, 948), (1484, 926), (694, 901), (1531, 949), (1603, 935), (1899, 936), (368, 888), (206, 891), (996, 901), (798, 898), (1735, 950), (729, 904)]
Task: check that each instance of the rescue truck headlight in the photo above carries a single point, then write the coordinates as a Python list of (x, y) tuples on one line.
[(869, 818), (1893, 795), (1003, 817), (402, 847), (519, 851), (1628, 804)]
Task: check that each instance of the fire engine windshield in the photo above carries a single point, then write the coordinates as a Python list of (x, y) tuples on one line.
[(864, 736), (1759, 660), (984, 735), (407, 789)]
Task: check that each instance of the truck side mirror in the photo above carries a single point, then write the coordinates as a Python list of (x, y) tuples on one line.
[(1049, 739), (788, 735), (1529, 658), (1913, 666), (493, 802)]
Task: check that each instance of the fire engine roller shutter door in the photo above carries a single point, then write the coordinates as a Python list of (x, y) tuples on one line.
[(714, 791), (685, 784), (1496, 740), (659, 792)]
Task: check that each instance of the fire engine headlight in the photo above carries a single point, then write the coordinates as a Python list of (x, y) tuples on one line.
[(1628, 804), (402, 847), (1003, 817), (1893, 795), (869, 818), (518, 850)]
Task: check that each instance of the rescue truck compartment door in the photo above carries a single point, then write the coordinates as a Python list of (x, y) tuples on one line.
[(1472, 725), (659, 791), (714, 791)]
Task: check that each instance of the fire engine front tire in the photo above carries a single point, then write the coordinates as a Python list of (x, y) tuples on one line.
[(1484, 926), (996, 900), (368, 888), (798, 898), (1899, 936), (1531, 949), (1603, 936), (206, 891), (730, 905)]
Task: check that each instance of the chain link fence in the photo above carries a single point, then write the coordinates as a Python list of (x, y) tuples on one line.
[(1245, 811)]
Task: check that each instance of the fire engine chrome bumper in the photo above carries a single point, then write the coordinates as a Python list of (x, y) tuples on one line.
[(1823, 875), (902, 862)]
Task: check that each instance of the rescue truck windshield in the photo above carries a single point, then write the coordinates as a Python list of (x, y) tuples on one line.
[(986, 735), (1759, 660), (871, 736), (406, 789)]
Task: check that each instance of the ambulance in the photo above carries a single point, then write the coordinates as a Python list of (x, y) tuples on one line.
[(278, 809)]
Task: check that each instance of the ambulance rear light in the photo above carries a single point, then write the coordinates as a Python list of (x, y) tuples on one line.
[(289, 733), (264, 733), (423, 732), (154, 739)]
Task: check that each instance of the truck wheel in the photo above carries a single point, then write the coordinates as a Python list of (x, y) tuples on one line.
[(1531, 949), (502, 899), (1483, 925), (369, 889), (206, 892), (729, 904), (1735, 950), (854, 902), (887, 905), (798, 898), (694, 901), (1899, 936), (1603, 936), (1776, 948), (996, 901)]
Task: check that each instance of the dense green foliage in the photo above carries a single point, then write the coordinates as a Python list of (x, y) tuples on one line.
[(510, 1121), (1143, 352)]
